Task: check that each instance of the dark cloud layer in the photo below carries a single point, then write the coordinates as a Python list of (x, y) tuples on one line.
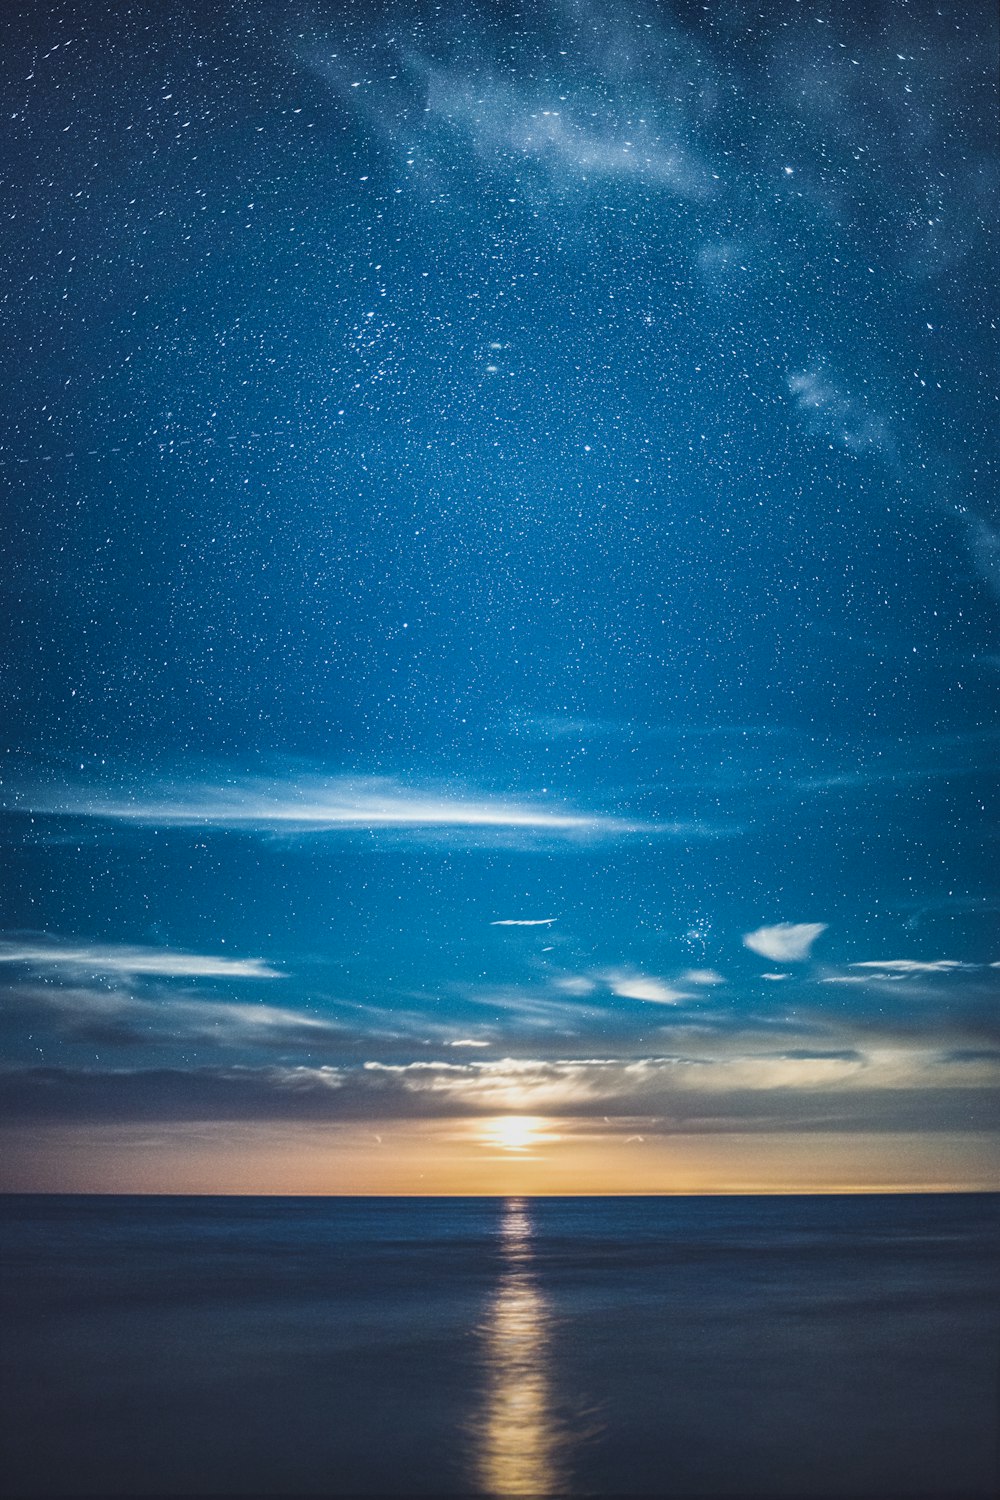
[(606, 1091)]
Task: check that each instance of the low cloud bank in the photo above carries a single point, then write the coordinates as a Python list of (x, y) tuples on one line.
[(841, 1089)]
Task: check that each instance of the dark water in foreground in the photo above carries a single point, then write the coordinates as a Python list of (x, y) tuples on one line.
[(674, 1346)]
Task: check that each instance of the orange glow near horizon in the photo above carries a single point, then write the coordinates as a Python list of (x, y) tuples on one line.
[(500, 1156), (516, 1133)]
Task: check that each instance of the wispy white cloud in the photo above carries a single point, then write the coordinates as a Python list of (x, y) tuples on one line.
[(913, 965), (310, 803), (575, 984), (550, 727), (614, 101), (785, 942), (114, 1016), (121, 959), (853, 422), (573, 132), (556, 1009), (629, 984), (848, 103), (644, 987), (983, 539), (833, 412)]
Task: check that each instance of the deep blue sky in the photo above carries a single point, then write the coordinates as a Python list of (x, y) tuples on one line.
[(471, 466)]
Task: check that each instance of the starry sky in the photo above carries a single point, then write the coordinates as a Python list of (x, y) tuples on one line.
[(502, 574)]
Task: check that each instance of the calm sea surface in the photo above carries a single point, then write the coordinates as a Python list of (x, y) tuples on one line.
[(675, 1346)]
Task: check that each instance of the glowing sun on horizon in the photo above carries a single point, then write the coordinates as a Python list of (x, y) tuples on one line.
[(516, 1133)]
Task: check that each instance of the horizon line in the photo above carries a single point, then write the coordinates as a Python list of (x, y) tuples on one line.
[(880, 1190)]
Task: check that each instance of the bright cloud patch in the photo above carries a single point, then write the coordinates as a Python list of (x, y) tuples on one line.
[(643, 987), (785, 942)]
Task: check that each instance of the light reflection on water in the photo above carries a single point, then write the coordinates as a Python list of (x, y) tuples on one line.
[(521, 1446)]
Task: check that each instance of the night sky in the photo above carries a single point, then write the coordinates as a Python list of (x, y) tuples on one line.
[(502, 567)]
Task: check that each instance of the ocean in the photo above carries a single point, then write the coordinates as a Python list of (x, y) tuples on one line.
[(708, 1346)]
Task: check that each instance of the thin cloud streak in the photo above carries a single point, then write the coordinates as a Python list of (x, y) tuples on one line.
[(124, 960), (914, 966), (524, 922), (317, 804), (114, 1017)]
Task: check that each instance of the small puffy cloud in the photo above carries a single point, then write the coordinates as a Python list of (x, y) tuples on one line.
[(702, 976), (785, 942)]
